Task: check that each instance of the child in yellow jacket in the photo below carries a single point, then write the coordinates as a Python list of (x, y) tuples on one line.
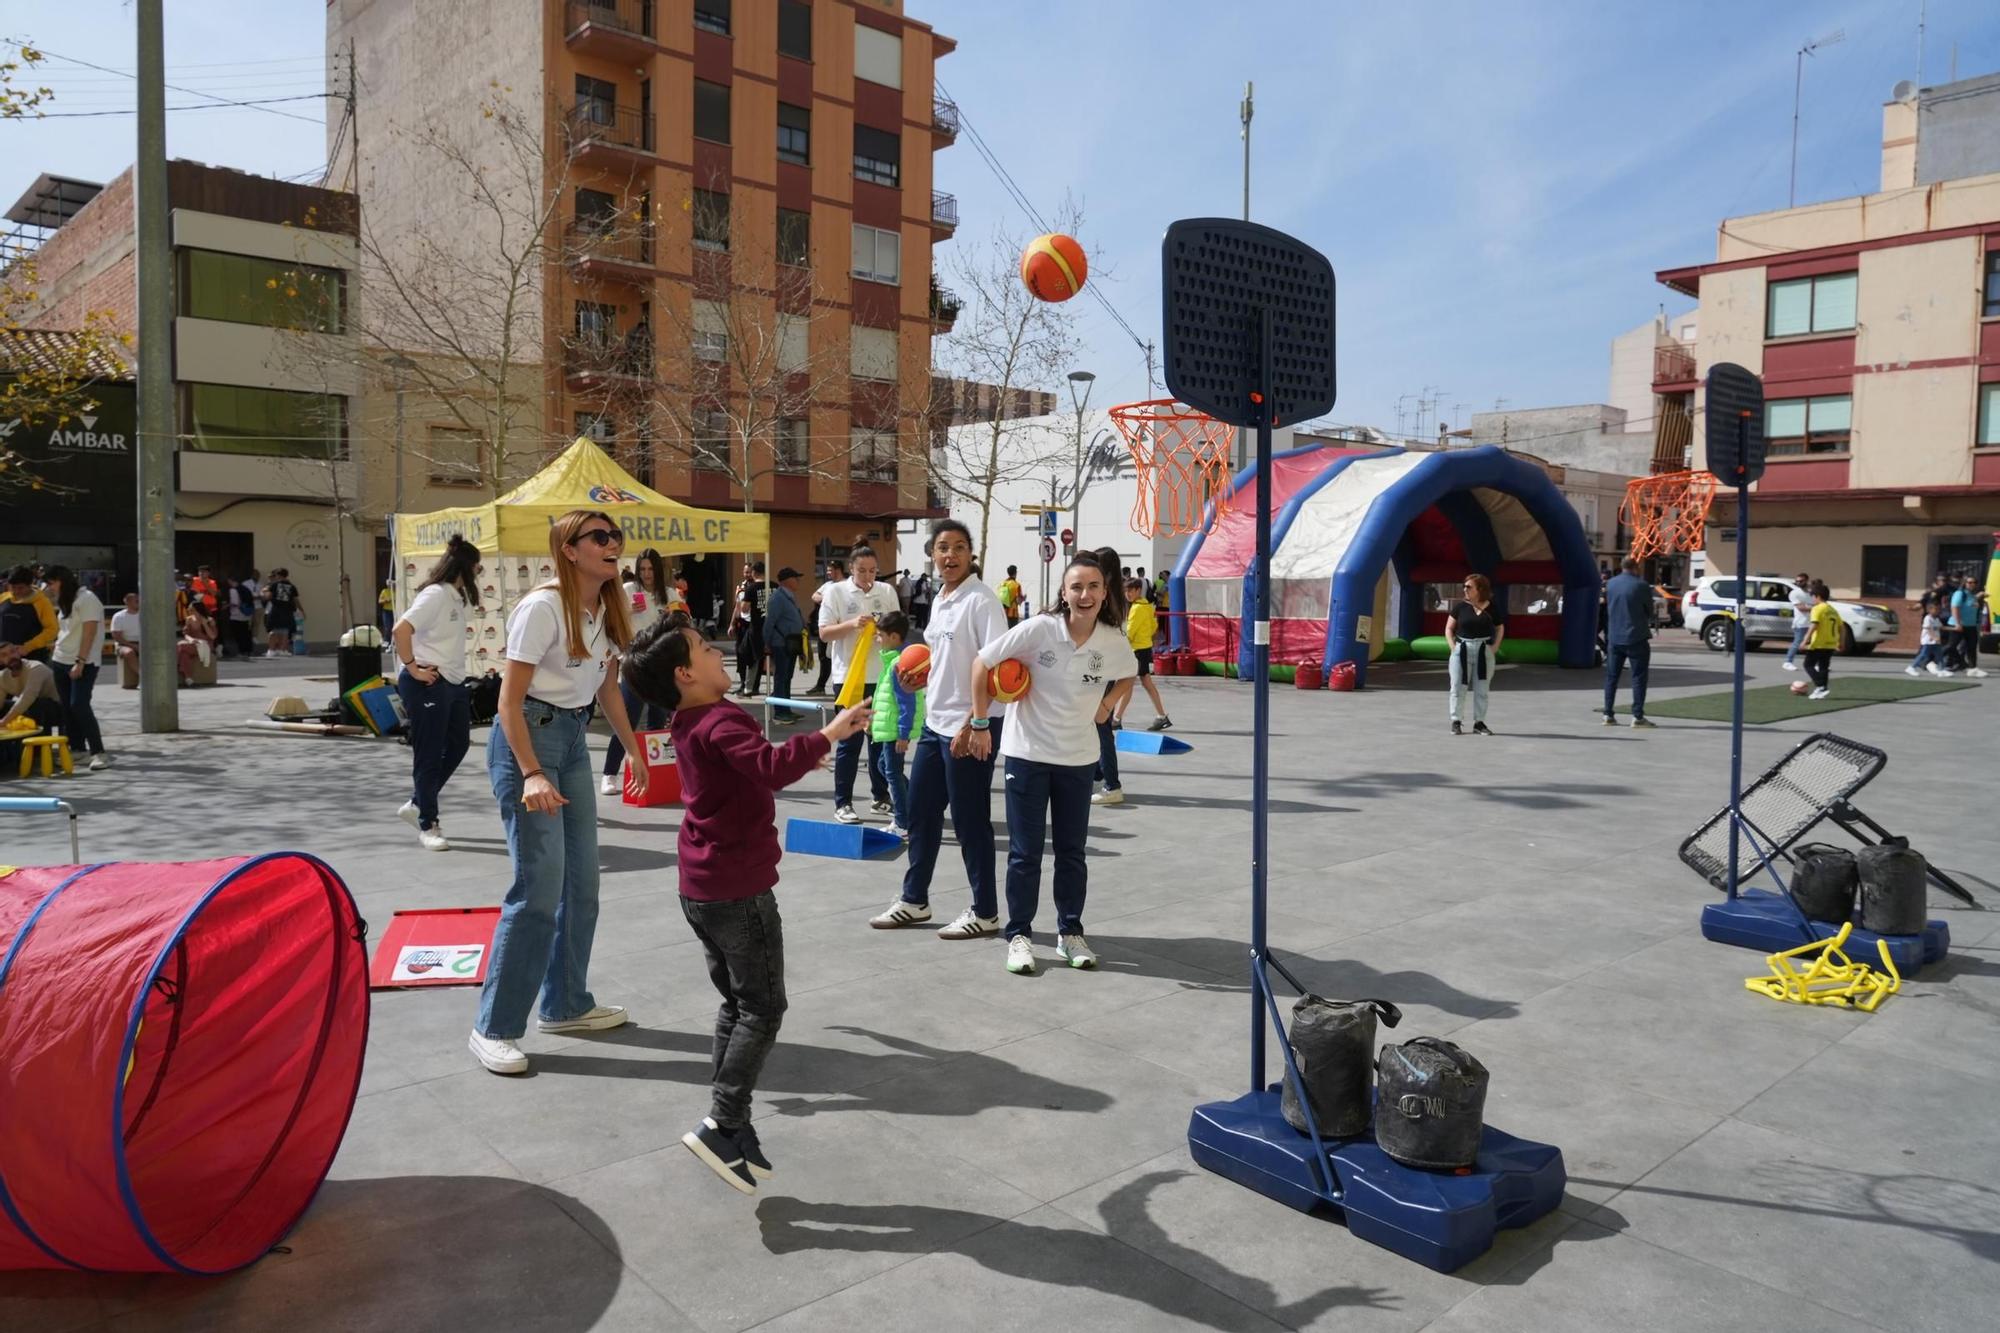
[(1142, 626)]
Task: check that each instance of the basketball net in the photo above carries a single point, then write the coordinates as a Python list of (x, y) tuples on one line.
[(1668, 513), (1182, 458)]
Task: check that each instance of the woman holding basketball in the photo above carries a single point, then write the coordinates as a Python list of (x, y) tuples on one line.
[(1076, 649)]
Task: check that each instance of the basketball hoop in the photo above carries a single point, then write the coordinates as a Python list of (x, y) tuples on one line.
[(1182, 457), (1668, 513)]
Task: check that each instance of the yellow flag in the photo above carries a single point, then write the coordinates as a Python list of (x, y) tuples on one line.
[(857, 667)]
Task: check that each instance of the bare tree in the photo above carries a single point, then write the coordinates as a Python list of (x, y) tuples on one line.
[(1005, 337)]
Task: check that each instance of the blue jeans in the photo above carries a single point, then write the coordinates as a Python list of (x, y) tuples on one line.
[(655, 717), (1039, 794), (1107, 756), (79, 718), (937, 779), (847, 761), (889, 767), (549, 915), (1928, 654), (1799, 633), (440, 717), (1616, 655)]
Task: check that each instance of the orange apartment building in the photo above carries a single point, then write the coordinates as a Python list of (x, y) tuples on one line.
[(711, 154)]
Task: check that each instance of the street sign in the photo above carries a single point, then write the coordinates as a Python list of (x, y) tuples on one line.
[(1069, 536), (1051, 520), (1031, 509), (1733, 410), (1048, 550)]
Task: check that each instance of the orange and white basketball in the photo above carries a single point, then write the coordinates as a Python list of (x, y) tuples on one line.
[(1053, 267), (1009, 681), (1800, 687)]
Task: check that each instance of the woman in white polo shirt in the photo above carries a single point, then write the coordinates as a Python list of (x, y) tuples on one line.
[(79, 643), (561, 641), (430, 646), (1075, 650)]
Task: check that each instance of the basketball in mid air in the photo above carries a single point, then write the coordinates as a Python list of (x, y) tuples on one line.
[(1009, 681), (1053, 267)]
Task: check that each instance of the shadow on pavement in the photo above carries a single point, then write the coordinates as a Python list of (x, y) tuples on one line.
[(1421, 676), (1334, 977)]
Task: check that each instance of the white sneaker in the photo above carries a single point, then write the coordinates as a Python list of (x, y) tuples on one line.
[(1075, 950), (498, 1055), (433, 839), (845, 814), (968, 925), (1789, 666), (1911, 671), (1818, 694), (1114, 796), (1935, 669), (883, 808), (1946, 675), (1977, 673), (99, 762), (601, 1019), (896, 830), (1021, 956), (609, 785), (900, 914), (407, 812)]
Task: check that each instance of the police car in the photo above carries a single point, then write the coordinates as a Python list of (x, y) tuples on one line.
[(1709, 612)]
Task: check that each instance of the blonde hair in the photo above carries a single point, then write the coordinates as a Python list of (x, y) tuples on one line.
[(617, 624)]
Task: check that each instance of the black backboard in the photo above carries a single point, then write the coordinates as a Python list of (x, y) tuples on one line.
[(1216, 275), (1733, 408)]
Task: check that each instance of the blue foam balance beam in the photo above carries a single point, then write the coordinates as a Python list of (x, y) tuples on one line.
[(1770, 923), (824, 837), (1150, 742), (1440, 1219)]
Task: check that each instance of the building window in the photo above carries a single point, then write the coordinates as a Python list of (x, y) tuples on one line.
[(246, 289), (711, 441), (792, 446), (711, 331), (878, 156), (596, 100), (1808, 425), (794, 134), (454, 456), (1885, 571), (872, 354), (874, 456), (795, 29), (794, 343), (878, 255), (596, 325), (712, 16), (794, 237), (231, 419), (711, 111), (1992, 306), (878, 56), (595, 209), (711, 220), (1810, 305), (1989, 415), (595, 427)]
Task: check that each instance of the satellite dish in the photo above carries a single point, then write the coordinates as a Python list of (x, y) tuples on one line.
[(1904, 91)]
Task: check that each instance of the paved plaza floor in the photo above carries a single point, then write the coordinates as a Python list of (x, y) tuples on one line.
[(962, 1148)]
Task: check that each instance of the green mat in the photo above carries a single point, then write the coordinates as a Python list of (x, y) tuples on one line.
[(1777, 703)]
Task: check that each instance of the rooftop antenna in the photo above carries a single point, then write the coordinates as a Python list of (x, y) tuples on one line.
[(1923, 7), (1838, 35)]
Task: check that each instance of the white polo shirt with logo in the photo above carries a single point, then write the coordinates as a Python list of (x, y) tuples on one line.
[(535, 635), (1055, 722), (844, 601), (437, 630), (962, 622)]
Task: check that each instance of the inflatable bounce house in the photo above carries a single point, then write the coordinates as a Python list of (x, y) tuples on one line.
[(1369, 547)]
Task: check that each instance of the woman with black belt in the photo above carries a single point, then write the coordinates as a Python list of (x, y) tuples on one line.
[(1472, 635)]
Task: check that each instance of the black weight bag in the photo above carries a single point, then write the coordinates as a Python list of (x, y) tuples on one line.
[(1430, 1103), (1893, 899), (1331, 1042), (1823, 881)]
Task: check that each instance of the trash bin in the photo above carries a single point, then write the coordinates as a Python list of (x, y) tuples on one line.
[(360, 656)]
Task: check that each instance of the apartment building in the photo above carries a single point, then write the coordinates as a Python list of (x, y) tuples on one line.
[(738, 298), (265, 374), (1875, 324)]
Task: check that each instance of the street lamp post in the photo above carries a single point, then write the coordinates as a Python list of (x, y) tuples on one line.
[(1078, 404)]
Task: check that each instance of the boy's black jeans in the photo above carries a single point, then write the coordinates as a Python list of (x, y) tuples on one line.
[(745, 944)]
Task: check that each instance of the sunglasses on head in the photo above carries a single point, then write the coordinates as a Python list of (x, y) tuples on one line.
[(602, 536)]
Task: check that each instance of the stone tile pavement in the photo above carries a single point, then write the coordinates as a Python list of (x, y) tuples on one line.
[(957, 1146)]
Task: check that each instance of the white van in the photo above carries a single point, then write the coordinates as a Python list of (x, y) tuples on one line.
[(1709, 611)]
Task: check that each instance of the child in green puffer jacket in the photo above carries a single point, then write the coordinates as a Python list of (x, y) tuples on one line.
[(899, 717)]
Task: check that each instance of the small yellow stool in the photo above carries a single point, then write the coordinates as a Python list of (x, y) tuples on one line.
[(51, 748)]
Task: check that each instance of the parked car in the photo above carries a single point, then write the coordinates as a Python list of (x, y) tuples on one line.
[(1708, 610)]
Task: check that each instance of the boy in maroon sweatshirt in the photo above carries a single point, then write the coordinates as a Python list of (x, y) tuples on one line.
[(728, 863)]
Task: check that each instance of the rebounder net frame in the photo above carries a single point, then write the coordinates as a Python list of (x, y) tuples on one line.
[(1668, 512), (1182, 458)]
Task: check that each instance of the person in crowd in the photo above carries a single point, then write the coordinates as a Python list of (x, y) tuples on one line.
[(29, 689), (27, 617), (196, 646), (430, 647), (1965, 617), (951, 763), (1142, 627), (385, 606), (1010, 595), (282, 607), (727, 863), (844, 608), (1473, 631), (561, 641), (646, 605), (836, 572), (784, 635), (204, 586), (1801, 599), (749, 629), (923, 591), (1075, 649), (1107, 731), (78, 647), (1821, 641), (240, 610), (1160, 589), (899, 717), (125, 627), (1930, 641), (253, 603), (1628, 601)]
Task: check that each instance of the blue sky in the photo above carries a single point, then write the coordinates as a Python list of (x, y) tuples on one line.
[(1494, 183)]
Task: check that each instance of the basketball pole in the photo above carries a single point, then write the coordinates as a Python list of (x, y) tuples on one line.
[(1736, 689), (1260, 666)]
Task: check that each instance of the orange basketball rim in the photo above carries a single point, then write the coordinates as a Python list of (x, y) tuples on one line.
[(1182, 458)]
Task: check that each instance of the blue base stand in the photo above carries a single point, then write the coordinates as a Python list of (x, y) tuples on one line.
[(1440, 1219), (1764, 921), (1149, 742), (853, 842)]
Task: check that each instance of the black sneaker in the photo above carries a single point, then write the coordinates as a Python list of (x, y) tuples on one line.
[(722, 1153), (753, 1152), (1481, 729), (1457, 730)]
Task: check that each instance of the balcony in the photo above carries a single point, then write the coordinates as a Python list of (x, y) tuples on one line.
[(944, 212), (607, 249), (619, 363), (944, 119), (1673, 367), (945, 306), (608, 135), (613, 29), (1673, 434)]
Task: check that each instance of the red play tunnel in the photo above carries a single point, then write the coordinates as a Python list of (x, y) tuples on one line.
[(180, 1047)]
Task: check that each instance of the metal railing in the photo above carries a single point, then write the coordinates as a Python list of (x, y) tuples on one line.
[(629, 357), (624, 243), (945, 304), (1673, 363), (944, 209), (872, 468), (944, 115), (633, 16), (593, 123)]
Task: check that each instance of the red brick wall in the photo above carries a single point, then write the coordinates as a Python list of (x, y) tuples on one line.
[(89, 264)]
